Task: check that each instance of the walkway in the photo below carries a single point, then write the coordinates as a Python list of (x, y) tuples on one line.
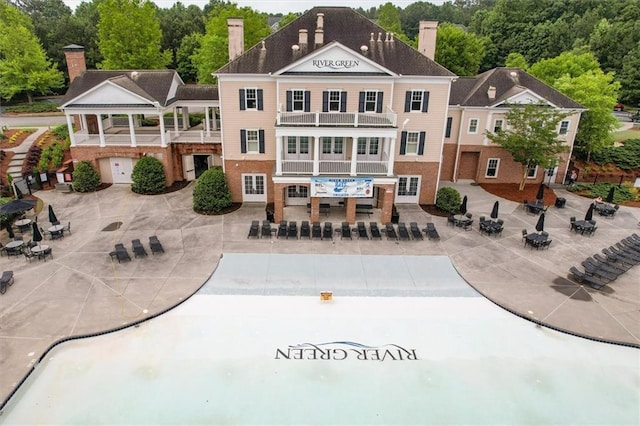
[(20, 152), (82, 292)]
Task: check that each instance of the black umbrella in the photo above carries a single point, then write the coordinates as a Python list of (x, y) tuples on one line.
[(589, 214), (37, 236), (494, 211), (52, 215), (17, 206), (463, 206), (540, 224), (9, 230), (540, 195), (609, 198)]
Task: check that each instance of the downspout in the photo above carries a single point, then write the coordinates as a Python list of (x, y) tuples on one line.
[(455, 165), (220, 97), (446, 116)]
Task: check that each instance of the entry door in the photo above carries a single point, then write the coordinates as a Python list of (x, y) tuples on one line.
[(332, 148), (297, 148), (254, 188), (188, 168), (201, 163), (297, 195), (369, 149), (121, 169), (408, 189)]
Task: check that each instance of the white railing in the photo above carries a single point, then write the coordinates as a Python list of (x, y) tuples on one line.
[(305, 167), (146, 139), (195, 136), (337, 119)]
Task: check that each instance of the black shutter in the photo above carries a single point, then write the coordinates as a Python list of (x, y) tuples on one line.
[(425, 101), (289, 100), (379, 102), (260, 100), (243, 141), (261, 141), (307, 101), (343, 101), (325, 101), (361, 102), (403, 143), (423, 136), (447, 133), (407, 101), (243, 104)]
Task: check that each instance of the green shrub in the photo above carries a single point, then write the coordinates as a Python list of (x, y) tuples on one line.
[(148, 176), (211, 193), (62, 132), (85, 178), (625, 156), (448, 199), (36, 107), (623, 193)]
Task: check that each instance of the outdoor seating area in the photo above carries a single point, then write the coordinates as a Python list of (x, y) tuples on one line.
[(490, 226), (121, 254), (583, 227), (538, 240), (606, 210)]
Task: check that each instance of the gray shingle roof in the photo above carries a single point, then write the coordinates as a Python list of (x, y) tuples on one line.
[(473, 91), (343, 25), (197, 92), (153, 85)]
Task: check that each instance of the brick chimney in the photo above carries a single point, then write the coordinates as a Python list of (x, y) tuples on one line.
[(427, 38), (76, 65), (236, 37)]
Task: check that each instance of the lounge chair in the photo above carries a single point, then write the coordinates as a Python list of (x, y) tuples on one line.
[(120, 253), (403, 233), (327, 231), (138, 248), (254, 229), (614, 257), (362, 231), (604, 276), (626, 251), (390, 231), (305, 230), (316, 230), (6, 280), (265, 230), (155, 245), (375, 231), (605, 266), (282, 229), (432, 232), (292, 231), (416, 233), (616, 265), (586, 279), (345, 231)]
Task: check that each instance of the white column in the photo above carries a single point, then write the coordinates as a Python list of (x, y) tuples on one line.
[(185, 118), (103, 141), (354, 156), (72, 136), (488, 128), (316, 156), (214, 126), (163, 137), (176, 126), (392, 156), (132, 131), (279, 156), (83, 122), (207, 124)]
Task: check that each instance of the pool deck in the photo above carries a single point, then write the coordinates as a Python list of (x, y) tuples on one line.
[(81, 291)]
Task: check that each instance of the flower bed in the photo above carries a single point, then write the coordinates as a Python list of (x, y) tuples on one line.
[(14, 137)]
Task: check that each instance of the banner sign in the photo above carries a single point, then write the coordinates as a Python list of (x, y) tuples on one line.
[(342, 187)]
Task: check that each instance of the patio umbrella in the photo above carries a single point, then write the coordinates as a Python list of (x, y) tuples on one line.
[(540, 195), (37, 236), (52, 215), (589, 214), (494, 211), (9, 230), (609, 198), (463, 206), (540, 224), (17, 206)]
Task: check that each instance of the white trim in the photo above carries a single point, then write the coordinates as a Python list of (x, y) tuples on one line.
[(255, 198), (486, 169), (108, 83), (408, 199), (566, 130), (249, 151), (535, 172)]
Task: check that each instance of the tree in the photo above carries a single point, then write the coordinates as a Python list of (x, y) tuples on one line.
[(458, 51), (211, 193), (129, 35), (85, 177), (573, 64), (214, 46), (177, 23), (148, 176), (287, 19), (516, 60), (184, 57), (630, 78), (531, 137), (24, 66), (389, 19)]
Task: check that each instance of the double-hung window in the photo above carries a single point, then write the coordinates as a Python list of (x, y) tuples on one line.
[(532, 171), (473, 126), (497, 125), (412, 143), (334, 101), (564, 127), (492, 167), (251, 99), (298, 100), (416, 101), (252, 141), (370, 101)]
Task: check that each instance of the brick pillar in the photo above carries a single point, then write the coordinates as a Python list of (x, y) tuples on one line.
[(278, 201), (387, 202), (350, 207), (315, 209)]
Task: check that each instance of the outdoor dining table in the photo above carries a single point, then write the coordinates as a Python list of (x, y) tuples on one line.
[(39, 249), (14, 244), (535, 206), (23, 224), (583, 225), (56, 228), (459, 219), (602, 208), (491, 225), (535, 238)]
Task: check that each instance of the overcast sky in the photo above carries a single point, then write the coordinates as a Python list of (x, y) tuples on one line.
[(283, 6)]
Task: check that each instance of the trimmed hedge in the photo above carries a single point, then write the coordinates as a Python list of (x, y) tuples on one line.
[(85, 178), (148, 176), (448, 199), (211, 193)]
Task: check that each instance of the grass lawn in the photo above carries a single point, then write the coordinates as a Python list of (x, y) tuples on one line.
[(627, 134)]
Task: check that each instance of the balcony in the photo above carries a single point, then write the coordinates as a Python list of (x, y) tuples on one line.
[(333, 167), (337, 119), (144, 138)]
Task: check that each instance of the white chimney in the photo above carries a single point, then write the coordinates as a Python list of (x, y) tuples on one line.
[(236, 37), (491, 92), (427, 38), (303, 37), (319, 39), (320, 22)]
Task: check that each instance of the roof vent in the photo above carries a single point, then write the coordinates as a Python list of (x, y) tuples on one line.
[(372, 37), (263, 46), (295, 47), (364, 48), (513, 73), (379, 36)]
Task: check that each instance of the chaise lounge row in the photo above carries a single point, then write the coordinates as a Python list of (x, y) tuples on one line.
[(122, 255)]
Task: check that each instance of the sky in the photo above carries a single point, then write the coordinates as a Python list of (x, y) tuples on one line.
[(283, 6)]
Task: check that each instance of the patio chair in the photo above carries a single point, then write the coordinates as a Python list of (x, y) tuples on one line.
[(416, 233), (42, 255), (403, 233), (305, 230), (121, 253), (327, 231), (56, 235), (155, 245), (432, 232), (265, 230), (3, 249), (604, 276), (362, 231), (586, 279), (6, 280), (345, 231), (375, 231), (282, 229), (316, 231), (390, 231), (544, 245), (451, 221), (28, 255), (138, 248), (254, 229), (67, 228), (292, 231), (466, 225)]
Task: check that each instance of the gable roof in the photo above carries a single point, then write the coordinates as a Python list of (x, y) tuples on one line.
[(153, 85), (197, 92), (473, 91), (343, 25)]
